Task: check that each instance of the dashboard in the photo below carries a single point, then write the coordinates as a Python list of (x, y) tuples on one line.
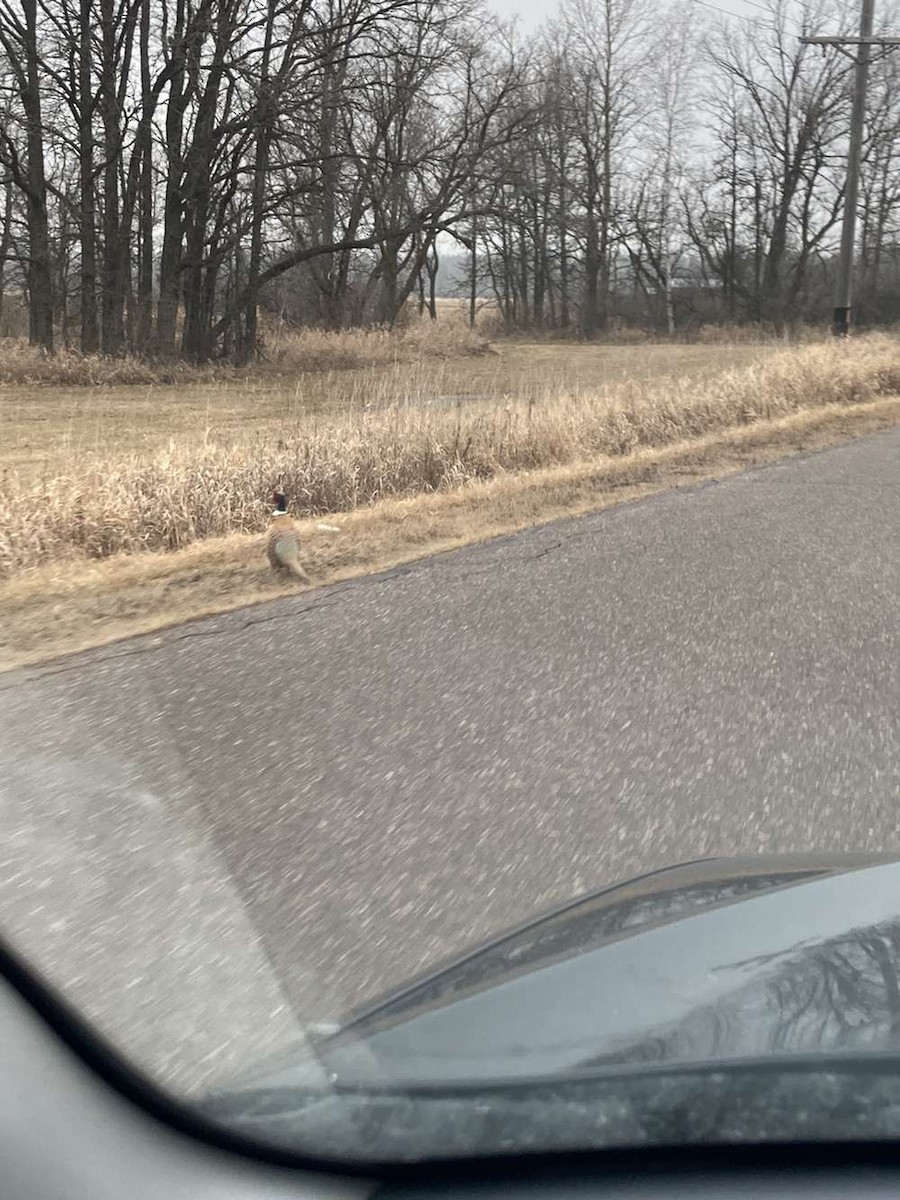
[(68, 1133)]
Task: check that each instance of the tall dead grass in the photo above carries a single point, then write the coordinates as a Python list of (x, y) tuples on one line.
[(193, 492), (284, 350), (291, 350), (25, 365)]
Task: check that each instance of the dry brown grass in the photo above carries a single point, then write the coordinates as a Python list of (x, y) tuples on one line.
[(49, 431), (57, 609), (23, 365), (196, 491), (301, 350), (286, 350), (489, 322)]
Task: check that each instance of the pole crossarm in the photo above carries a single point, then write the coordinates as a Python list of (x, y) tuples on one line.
[(850, 41)]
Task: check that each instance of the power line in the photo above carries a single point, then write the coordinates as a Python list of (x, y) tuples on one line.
[(727, 12)]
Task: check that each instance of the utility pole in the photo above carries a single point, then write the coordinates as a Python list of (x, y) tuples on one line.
[(864, 43)]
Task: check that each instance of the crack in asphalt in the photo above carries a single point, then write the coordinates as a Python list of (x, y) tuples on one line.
[(168, 639)]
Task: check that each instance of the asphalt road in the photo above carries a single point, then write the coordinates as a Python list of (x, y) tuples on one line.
[(213, 836)]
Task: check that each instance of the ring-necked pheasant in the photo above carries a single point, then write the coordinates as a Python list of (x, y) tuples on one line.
[(283, 546)]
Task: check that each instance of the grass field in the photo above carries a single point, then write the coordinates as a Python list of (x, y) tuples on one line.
[(125, 507), (47, 430)]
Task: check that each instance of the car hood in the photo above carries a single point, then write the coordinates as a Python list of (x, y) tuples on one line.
[(708, 961), (718, 963)]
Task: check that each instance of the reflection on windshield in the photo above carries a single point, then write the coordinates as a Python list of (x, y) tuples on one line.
[(841, 995), (621, 911)]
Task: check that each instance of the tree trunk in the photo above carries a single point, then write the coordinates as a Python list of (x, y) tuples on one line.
[(329, 274), (173, 209), (40, 272), (473, 275), (605, 221), (90, 332), (432, 263), (144, 323), (263, 136), (112, 302), (590, 306), (565, 312), (61, 287), (5, 244)]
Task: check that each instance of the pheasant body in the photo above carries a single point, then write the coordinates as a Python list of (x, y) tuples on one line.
[(283, 545)]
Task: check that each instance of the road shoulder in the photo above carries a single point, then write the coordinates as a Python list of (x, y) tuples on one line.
[(63, 609)]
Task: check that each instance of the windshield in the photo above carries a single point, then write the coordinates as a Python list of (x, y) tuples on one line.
[(449, 580)]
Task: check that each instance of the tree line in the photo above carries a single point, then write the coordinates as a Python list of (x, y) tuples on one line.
[(167, 167)]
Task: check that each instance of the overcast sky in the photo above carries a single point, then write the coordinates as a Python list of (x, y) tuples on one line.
[(532, 12)]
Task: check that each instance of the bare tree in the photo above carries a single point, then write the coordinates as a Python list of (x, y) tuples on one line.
[(656, 237), (791, 105), (170, 166), (19, 38), (609, 49)]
